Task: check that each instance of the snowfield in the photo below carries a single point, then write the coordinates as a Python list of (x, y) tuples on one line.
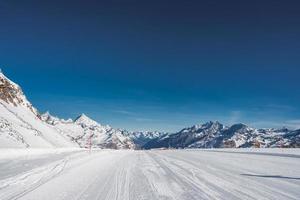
[(156, 174)]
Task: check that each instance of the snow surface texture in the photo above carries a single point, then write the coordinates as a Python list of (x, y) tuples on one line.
[(150, 175)]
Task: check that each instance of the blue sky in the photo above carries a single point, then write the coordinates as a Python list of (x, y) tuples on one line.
[(157, 65)]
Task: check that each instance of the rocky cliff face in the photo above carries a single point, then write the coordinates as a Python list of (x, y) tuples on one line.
[(11, 93)]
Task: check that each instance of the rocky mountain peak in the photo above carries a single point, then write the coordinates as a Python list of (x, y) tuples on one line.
[(85, 121), (208, 125), (47, 117), (11, 93)]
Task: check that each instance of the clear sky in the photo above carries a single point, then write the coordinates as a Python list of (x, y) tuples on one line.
[(157, 65)]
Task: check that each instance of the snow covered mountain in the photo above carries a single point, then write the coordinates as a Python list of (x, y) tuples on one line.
[(85, 132), (140, 138), (216, 135), (20, 123), (22, 126)]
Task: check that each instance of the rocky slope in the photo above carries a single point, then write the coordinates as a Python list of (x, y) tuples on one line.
[(140, 138), (216, 135), (87, 132), (20, 123)]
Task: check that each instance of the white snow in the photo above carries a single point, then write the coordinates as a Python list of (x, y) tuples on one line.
[(85, 130), (19, 127), (84, 121), (150, 175)]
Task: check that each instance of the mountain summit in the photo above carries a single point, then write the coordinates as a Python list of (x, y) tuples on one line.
[(85, 121), (11, 93)]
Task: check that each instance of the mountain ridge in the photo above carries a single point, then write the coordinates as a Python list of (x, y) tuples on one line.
[(21, 125), (216, 135), (20, 122)]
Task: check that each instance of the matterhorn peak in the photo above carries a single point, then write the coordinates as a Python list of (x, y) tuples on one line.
[(84, 121), (82, 117)]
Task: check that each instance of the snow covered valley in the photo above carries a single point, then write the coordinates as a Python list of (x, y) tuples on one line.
[(57, 174), (43, 157)]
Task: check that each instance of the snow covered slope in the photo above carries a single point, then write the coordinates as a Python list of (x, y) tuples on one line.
[(20, 125), (216, 135), (86, 132), (233, 174)]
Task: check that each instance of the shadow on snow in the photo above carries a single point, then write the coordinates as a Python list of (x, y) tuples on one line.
[(271, 176)]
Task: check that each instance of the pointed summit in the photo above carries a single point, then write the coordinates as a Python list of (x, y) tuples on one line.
[(82, 115), (85, 121)]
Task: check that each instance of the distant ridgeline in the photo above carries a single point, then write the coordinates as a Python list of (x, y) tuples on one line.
[(22, 126)]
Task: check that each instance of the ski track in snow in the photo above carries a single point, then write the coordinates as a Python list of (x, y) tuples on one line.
[(156, 174)]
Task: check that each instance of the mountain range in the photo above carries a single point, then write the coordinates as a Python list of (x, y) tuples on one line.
[(216, 135), (22, 126)]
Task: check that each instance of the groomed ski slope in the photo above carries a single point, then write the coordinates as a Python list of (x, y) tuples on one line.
[(149, 175)]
